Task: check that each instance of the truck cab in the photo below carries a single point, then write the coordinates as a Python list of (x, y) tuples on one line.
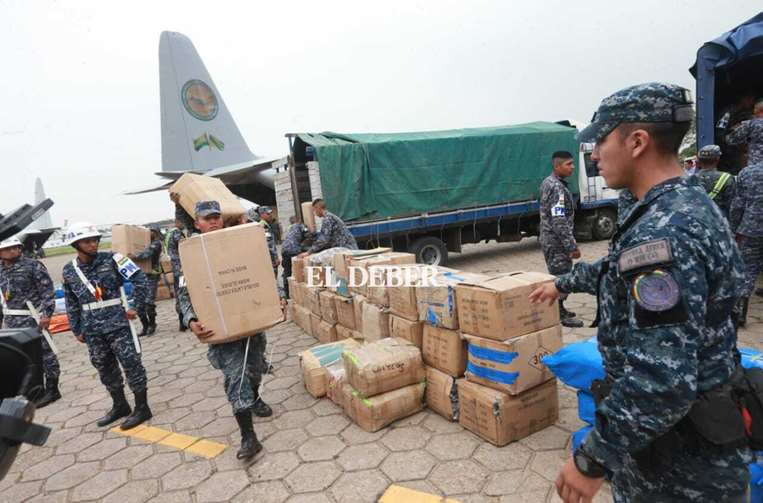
[(597, 207)]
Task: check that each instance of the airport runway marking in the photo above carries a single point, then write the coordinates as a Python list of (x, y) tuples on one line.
[(195, 445)]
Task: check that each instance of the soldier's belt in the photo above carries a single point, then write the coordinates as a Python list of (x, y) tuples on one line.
[(100, 305), (16, 312)]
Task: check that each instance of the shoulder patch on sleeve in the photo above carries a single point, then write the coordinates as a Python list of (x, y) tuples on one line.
[(656, 291), (653, 252), (125, 266)]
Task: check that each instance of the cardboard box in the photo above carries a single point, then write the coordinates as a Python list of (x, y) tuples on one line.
[(377, 292), (312, 299), (500, 418), (295, 292), (194, 188), (442, 394), (231, 282), (166, 263), (402, 299), (298, 269), (301, 317), (444, 350), (336, 380), (341, 264), (315, 323), (382, 366), (374, 413), (163, 293), (362, 264), (326, 332), (515, 365), (308, 217), (345, 312), (328, 306), (499, 308), (375, 322), (344, 332), (316, 360), (437, 304), (357, 305), (411, 331), (131, 239)]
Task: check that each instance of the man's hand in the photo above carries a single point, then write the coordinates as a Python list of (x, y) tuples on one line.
[(547, 292), (200, 330), (575, 254), (131, 256), (174, 197), (574, 487), (44, 323), (131, 314), (80, 338)]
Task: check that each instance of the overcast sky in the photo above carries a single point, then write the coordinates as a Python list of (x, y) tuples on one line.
[(80, 85)]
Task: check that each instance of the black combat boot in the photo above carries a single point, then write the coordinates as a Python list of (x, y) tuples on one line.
[(568, 319), (119, 410), (51, 393), (564, 312), (250, 446), (260, 408), (151, 315), (141, 414), (144, 322)]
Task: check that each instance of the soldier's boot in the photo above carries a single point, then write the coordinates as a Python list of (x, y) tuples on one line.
[(564, 313), (144, 322), (141, 414), (151, 315), (260, 408), (250, 446), (119, 409), (567, 320), (51, 393)]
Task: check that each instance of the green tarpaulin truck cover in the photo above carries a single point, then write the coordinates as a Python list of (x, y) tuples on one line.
[(376, 176)]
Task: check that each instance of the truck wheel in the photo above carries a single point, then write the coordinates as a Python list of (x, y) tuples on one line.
[(430, 250), (604, 224)]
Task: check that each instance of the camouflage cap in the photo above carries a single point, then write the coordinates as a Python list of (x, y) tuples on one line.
[(709, 152), (262, 210), (651, 102), (204, 208)]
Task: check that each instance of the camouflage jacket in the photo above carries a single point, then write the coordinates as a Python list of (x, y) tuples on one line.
[(184, 217), (333, 234), (666, 332), (153, 252), (173, 249), (557, 214), (746, 214), (292, 243), (104, 273), (751, 133), (271, 240), (26, 280), (722, 196)]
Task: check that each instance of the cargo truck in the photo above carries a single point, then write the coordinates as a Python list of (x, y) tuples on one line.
[(430, 193)]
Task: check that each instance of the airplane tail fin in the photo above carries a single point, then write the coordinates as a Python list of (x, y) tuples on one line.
[(198, 131)]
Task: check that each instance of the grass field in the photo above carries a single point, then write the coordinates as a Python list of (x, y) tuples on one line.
[(66, 250)]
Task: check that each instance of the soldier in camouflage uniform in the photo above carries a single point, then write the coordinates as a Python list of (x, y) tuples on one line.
[(242, 388), (153, 252), (746, 221), (25, 280), (291, 247), (557, 222), (333, 232), (92, 284), (719, 185), (666, 328), (750, 132), (264, 216), (173, 250)]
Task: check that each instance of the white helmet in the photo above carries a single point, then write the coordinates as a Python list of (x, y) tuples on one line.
[(80, 230), (10, 243)]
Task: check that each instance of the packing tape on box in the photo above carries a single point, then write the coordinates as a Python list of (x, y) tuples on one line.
[(492, 355), (212, 283), (491, 374), (327, 355)]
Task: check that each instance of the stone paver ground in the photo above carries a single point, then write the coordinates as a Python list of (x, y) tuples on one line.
[(312, 452)]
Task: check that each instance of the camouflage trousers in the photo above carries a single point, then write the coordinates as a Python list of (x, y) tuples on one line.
[(50, 365), (176, 286), (108, 352), (700, 478), (752, 253), (241, 385), (151, 284), (557, 259)]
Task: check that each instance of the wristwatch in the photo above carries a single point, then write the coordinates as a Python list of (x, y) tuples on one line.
[(587, 465)]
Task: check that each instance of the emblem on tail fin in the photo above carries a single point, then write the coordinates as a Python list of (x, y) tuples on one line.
[(199, 100)]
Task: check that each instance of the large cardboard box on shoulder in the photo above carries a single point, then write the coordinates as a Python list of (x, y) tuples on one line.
[(345, 312), (131, 239), (500, 418), (375, 322), (499, 308), (515, 365), (374, 413), (382, 366), (231, 282), (412, 331), (437, 304), (317, 359), (194, 188), (328, 306), (308, 217), (442, 394), (341, 265), (444, 350), (363, 263), (326, 332)]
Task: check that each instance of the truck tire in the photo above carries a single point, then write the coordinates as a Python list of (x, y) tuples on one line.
[(604, 224), (430, 250)]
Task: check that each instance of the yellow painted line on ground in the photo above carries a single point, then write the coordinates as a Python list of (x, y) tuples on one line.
[(194, 445), (399, 494)]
